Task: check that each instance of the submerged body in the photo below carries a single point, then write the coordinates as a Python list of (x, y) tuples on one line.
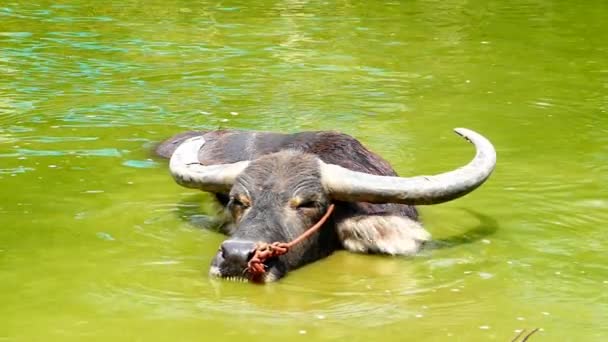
[(275, 186)]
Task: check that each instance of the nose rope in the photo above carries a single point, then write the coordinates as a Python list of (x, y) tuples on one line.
[(265, 251)]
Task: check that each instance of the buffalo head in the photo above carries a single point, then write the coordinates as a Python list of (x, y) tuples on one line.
[(278, 196)]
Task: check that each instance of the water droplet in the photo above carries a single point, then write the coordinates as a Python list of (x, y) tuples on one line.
[(105, 236), (419, 315), (321, 316), (484, 275), (545, 313), (302, 332), (521, 319), (484, 327), (234, 113), (94, 191)]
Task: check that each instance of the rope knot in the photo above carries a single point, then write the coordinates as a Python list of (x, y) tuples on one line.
[(263, 252)]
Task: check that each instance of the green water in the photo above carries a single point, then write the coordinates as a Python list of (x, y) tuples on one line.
[(97, 243)]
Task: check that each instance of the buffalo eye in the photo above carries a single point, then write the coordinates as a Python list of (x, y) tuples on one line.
[(235, 202), (307, 205)]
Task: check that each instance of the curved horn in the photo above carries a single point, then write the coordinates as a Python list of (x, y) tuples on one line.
[(189, 172), (346, 185)]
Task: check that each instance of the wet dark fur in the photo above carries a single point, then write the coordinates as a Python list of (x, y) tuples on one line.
[(265, 201), (229, 146)]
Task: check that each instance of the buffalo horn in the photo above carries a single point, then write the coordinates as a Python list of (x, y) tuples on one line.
[(187, 170), (346, 185)]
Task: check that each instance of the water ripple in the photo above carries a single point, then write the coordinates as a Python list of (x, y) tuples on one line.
[(101, 152)]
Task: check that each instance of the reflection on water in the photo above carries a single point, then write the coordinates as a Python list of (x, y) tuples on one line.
[(97, 242)]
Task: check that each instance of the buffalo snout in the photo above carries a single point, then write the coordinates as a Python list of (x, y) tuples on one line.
[(237, 252), (231, 260)]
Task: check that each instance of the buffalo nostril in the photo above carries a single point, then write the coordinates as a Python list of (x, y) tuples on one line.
[(237, 251)]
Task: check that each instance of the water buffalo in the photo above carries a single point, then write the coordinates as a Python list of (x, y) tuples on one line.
[(275, 186)]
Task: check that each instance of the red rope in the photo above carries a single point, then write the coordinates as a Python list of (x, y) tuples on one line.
[(265, 251)]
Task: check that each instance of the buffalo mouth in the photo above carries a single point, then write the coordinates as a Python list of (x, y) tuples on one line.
[(221, 269)]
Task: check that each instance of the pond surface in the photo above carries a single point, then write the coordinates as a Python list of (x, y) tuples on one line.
[(98, 243)]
